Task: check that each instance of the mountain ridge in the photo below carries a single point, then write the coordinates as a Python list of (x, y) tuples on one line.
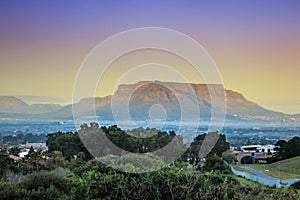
[(13, 105), (143, 95)]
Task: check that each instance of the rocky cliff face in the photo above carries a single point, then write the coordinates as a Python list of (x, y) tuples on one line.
[(140, 98), (197, 96)]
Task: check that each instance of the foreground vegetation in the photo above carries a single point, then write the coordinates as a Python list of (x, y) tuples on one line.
[(71, 172), (93, 180)]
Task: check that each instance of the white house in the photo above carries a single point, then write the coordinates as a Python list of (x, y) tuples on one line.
[(259, 148)]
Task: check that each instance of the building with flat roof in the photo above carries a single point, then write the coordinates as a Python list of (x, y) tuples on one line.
[(259, 148)]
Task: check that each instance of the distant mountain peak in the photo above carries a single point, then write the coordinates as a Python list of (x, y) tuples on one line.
[(11, 104), (141, 96)]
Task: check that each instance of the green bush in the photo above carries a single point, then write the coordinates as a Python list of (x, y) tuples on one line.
[(16, 191), (43, 180)]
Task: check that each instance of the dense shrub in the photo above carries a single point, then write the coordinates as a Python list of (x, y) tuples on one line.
[(173, 182), (38, 185), (177, 181), (296, 185)]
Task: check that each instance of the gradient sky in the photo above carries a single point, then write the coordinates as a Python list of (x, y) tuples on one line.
[(255, 44)]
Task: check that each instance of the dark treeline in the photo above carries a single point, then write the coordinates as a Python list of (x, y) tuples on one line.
[(22, 139), (70, 144), (288, 149)]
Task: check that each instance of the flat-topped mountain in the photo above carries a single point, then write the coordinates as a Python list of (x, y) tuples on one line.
[(140, 98), (169, 95)]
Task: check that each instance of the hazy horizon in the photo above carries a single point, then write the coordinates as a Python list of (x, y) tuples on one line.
[(65, 101)]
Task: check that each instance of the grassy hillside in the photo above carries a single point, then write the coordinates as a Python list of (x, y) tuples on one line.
[(286, 169), (291, 165)]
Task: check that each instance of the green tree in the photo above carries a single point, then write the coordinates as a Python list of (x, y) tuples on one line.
[(6, 164), (56, 160), (14, 151), (68, 143), (193, 152), (288, 149), (215, 163)]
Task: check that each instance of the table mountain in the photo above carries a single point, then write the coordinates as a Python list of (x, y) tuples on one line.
[(163, 98)]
